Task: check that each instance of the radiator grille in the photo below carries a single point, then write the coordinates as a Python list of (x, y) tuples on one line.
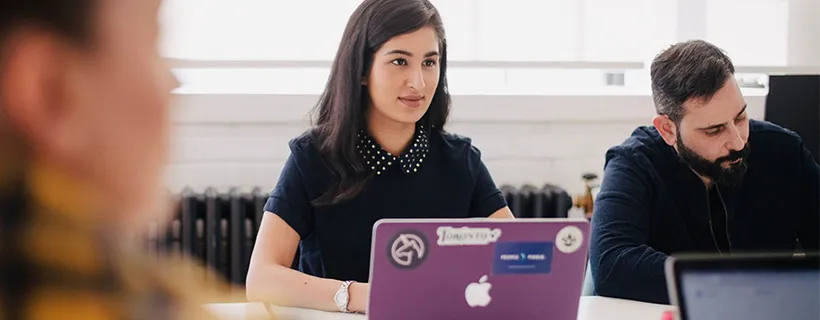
[(219, 228)]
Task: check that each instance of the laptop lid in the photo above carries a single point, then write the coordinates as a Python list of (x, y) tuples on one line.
[(748, 287), (477, 268)]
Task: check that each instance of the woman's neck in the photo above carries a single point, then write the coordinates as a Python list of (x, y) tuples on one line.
[(392, 136)]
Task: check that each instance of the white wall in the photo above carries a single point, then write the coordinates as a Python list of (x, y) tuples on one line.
[(241, 140)]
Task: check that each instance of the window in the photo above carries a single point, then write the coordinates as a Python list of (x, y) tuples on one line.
[(514, 38), (752, 32), (485, 30), (627, 30), (459, 21), (254, 29), (528, 30)]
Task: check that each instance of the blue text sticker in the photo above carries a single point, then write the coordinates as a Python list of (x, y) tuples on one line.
[(522, 257)]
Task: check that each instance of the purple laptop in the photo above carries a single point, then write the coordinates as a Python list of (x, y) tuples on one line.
[(477, 269)]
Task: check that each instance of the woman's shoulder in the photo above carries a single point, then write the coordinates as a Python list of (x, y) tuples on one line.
[(304, 149), (305, 143), (456, 145)]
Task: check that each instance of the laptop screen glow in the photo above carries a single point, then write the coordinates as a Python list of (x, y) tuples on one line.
[(751, 295)]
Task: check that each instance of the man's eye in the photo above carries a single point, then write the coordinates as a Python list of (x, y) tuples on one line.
[(713, 132)]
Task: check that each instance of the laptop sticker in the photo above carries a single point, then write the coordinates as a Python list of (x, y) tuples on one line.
[(477, 294), (464, 236), (569, 239), (408, 249), (522, 257)]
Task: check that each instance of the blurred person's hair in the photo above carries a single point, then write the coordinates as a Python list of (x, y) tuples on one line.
[(693, 69), (343, 106), (70, 19)]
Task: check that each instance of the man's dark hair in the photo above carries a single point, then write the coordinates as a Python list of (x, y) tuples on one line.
[(71, 19), (343, 106), (693, 69)]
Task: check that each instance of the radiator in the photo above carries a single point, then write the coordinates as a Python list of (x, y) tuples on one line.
[(219, 228), (528, 201)]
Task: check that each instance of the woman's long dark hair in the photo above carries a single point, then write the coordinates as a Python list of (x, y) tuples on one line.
[(343, 106)]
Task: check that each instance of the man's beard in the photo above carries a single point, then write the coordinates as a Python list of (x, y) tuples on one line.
[(714, 170)]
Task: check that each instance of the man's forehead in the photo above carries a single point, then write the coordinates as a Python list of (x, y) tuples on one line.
[(723, 106)]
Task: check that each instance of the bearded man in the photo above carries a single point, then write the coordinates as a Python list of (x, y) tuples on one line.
[(704, 178)]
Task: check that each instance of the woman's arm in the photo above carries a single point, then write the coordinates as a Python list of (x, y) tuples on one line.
[(270, 278), (503, 213)]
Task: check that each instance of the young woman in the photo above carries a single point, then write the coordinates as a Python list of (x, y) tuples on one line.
[(83, 135), (378, 150)]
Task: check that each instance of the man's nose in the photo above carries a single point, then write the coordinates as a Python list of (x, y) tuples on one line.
[(735, 139)]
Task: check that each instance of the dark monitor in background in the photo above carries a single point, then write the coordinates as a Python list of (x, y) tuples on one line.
[(794, 103)]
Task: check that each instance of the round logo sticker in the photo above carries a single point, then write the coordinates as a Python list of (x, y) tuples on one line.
[(407, 250), (569, 239)]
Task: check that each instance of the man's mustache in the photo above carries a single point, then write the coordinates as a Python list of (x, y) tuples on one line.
[(735, 154)]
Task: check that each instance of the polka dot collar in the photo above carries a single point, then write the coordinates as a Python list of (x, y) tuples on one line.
[(380, 160)]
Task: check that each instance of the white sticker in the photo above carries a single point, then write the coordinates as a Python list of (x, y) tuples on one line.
[(569, 239), (464, 236)]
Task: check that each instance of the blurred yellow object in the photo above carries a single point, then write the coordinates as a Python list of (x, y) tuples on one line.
[(61, 260)]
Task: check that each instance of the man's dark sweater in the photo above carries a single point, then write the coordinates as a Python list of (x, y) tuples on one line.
[(651, 205)]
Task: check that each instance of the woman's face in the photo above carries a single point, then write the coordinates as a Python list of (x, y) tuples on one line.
[(404, 77)]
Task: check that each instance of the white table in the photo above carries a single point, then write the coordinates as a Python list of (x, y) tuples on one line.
[(591, 308)]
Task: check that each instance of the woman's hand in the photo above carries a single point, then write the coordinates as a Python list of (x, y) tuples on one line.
[(358, 297)]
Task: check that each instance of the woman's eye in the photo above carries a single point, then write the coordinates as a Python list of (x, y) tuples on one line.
[(400, 62), (429, 63)]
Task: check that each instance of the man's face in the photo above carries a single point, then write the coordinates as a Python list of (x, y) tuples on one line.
[(712, 137)]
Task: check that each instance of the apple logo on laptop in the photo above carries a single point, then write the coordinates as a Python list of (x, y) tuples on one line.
[(477, 294)]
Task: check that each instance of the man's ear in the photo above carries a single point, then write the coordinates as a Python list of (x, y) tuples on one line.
[(667, 129)]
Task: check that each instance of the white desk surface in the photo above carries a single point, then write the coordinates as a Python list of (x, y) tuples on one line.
[(591, 308)]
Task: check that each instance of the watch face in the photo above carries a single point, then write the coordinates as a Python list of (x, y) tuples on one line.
[(341, 297)]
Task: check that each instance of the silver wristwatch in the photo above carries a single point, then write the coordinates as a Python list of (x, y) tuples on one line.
[(342, 297)]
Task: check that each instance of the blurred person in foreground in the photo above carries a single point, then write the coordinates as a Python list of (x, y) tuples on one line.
[(704, 178), (83, 126)]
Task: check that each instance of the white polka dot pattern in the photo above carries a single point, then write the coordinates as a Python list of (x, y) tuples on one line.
[(380, 160)]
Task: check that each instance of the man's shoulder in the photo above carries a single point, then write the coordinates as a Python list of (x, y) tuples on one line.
[(644, 145), (773, 145), (769, 135)]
